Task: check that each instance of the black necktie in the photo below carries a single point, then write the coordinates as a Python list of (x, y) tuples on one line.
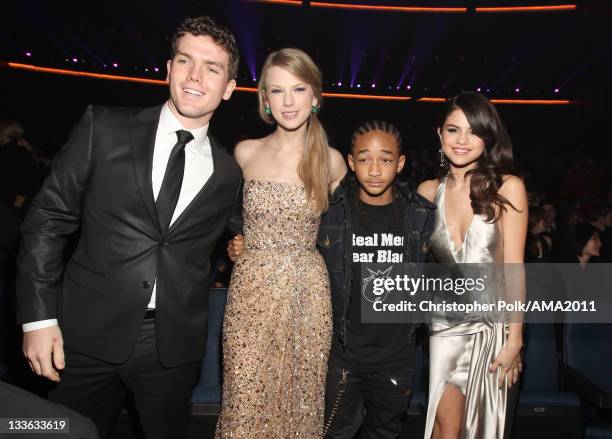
[(173, 179)]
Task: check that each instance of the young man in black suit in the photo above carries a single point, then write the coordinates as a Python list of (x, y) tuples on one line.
[(151, 191)]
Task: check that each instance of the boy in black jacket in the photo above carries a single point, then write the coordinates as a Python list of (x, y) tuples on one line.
[(371, 365)]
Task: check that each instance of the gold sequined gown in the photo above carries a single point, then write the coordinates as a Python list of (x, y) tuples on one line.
[(277, 326)]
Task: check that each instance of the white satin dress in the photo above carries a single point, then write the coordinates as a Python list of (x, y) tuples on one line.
[(461, 353)]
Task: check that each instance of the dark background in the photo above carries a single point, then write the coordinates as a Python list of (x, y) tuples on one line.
[(436, 54)]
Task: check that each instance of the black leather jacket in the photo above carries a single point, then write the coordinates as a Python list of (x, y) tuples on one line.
[(335, 242)]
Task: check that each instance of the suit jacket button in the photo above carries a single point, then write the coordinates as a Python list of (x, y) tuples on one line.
[(162, 243), (146, 284)]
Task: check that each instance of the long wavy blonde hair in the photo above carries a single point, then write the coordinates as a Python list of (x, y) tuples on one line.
[(314, 166)]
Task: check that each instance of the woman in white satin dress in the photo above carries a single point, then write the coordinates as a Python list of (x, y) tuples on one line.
[(481, 219)]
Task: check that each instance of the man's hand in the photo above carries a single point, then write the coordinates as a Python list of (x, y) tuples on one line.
[(235, 247), (44, 350)]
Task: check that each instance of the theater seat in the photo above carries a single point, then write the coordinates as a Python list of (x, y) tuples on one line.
[(544, 408), (414, 426), (587, 366), (207, 393)]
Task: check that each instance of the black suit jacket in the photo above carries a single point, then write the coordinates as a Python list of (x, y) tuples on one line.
[(101, 182)]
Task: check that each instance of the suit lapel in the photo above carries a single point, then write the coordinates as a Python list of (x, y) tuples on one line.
[(209, 187), (142, 139)]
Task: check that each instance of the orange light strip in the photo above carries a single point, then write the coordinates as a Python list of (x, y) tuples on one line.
[(385, 8), (431, 100), (527, 8), (280, 2), (545, 8), (66, 72), (51, 70), (32, 68)]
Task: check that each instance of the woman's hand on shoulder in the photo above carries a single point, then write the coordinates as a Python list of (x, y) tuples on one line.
[(337, 167), (428, 189)]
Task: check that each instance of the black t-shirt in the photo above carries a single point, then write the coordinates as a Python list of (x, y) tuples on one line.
[(374, 346)]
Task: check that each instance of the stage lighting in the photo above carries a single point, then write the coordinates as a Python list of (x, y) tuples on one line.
[(28, 54)]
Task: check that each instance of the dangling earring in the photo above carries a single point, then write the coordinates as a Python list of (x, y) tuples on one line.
[(315, 109), (268, 111), (442, 158)]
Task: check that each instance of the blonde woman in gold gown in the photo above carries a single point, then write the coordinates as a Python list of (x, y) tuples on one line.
[(481, 218), (277, 326)]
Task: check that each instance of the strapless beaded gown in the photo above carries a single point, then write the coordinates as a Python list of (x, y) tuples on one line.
[(277, 325), (460, 354)]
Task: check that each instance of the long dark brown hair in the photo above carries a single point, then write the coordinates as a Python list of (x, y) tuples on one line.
[(496, 159)]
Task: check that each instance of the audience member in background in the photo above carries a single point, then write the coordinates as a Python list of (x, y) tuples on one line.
[(550, 216), (584, 280), (538, 247), (552, 227), (18, 169), (581, 244), (601, 219)]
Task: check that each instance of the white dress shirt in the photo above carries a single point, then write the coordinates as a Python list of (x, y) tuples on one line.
[(198, 169)]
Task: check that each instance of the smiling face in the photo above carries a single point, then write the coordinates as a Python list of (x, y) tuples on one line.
[(290, 98), (460, 145), (198, 80), (376, 160)]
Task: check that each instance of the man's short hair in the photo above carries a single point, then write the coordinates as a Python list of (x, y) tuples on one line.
[(206, 26)]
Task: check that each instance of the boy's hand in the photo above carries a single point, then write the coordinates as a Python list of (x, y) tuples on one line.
[(235, 247)]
